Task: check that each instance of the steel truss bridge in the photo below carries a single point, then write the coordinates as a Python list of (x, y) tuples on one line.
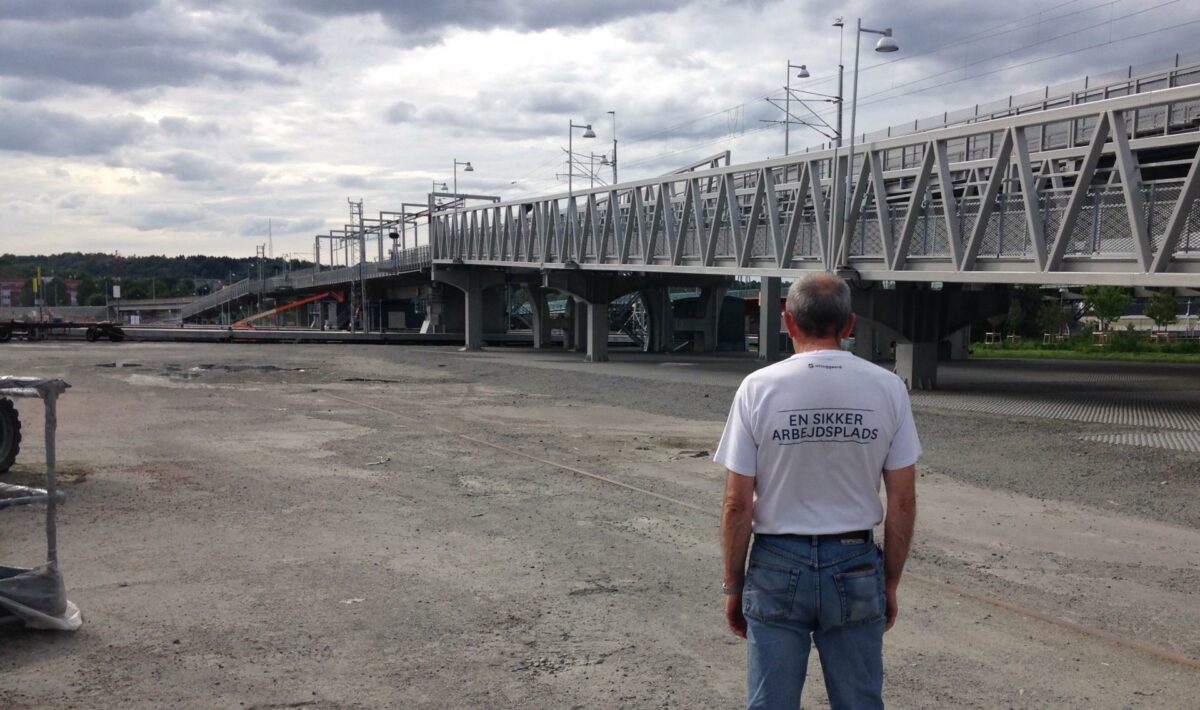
[(1097, 193)]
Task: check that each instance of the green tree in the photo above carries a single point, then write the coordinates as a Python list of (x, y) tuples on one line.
[(1015, 317), (1023, 305), (1162, 308), (1107, 303), (1052, 317)]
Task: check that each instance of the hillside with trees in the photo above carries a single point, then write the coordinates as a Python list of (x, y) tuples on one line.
[(139, 276)]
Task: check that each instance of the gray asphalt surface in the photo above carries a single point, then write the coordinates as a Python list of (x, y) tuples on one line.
[(319, 526)]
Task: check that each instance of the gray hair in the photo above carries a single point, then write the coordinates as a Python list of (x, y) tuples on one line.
[(820, 304)]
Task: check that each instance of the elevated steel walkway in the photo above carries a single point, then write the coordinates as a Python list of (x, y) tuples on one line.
[(407, 261), (1096, 193)]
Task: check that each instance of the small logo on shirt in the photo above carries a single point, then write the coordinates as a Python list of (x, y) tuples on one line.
[(811, 365)]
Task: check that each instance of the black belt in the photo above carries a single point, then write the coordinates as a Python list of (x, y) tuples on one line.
[(862, 536)]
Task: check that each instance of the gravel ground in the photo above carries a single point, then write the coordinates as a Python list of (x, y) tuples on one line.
[(327, 526)]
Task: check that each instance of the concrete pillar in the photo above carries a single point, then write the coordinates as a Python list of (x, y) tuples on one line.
[(472, 284), (711, 299), (660, 320), (768, 318), (568, 324), (597, 331), (867, 341), (473, 327), (916, 364), (960, 343), (579, 325), (539, 316)]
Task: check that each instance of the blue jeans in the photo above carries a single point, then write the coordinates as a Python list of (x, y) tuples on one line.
[(799, 590)]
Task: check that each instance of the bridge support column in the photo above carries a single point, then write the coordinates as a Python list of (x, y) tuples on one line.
[(539, 311), (918, 318), (769, 317), (597, 331), (704, 338), (960, 344), (916, 364), (868, 341), (660, 317), (472, 283), (579, 324)]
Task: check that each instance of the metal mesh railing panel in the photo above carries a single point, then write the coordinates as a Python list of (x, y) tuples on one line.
[(1014, 227), (1113, 234), (1189, 238), (760, 247), (806, 241), (934, 238)]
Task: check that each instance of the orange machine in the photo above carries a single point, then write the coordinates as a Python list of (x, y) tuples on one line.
[(245, 323)]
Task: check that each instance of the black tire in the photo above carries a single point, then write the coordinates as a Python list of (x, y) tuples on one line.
[(10, 434), (92, 335), (5, 335)]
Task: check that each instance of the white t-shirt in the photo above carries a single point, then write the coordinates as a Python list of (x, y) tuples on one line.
[(817, 431)]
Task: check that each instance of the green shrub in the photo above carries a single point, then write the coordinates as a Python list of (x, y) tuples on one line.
[(1128, 341)]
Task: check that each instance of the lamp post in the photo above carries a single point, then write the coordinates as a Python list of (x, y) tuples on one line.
[(885, 44), (787, 102), (467, 168), (395, 237), (614, 158), (587, 133)]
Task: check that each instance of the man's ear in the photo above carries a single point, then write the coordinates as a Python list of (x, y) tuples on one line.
[(848, 330), (789, 323)]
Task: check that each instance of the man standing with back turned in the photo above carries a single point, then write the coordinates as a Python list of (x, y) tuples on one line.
[(807, 442)]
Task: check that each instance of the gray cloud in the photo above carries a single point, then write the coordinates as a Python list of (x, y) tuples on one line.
[(178, 126), (43, 10), (159, 47), (191, 167), (400, 112), (28, 129), (259, 227), (168, 217), (424, 22)]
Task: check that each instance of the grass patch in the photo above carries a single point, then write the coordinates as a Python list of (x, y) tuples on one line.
[(1089, 354)]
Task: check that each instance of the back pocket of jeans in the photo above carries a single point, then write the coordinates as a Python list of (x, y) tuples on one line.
[(768, 592), (861, 592)]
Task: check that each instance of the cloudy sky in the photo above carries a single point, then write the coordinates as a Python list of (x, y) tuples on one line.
[(182, 126)]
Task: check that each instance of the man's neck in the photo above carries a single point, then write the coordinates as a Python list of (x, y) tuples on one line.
[(809, 345)]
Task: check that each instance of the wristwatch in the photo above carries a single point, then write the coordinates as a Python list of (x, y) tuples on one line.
[(734, 589)]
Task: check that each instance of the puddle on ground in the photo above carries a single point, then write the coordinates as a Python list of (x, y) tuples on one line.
[(33, 473)]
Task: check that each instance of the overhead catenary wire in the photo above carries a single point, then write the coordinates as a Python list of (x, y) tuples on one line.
[(886, 95), (890, 93), (816, 81), (1031, 45)]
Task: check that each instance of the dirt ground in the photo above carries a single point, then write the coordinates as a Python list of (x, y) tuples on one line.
[(282, 526)]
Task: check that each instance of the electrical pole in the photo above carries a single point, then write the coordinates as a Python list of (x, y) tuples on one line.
[(356, 213)]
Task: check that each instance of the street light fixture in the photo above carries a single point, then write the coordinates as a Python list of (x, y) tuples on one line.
[(587, 133), (885, 44), (466, 169)]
